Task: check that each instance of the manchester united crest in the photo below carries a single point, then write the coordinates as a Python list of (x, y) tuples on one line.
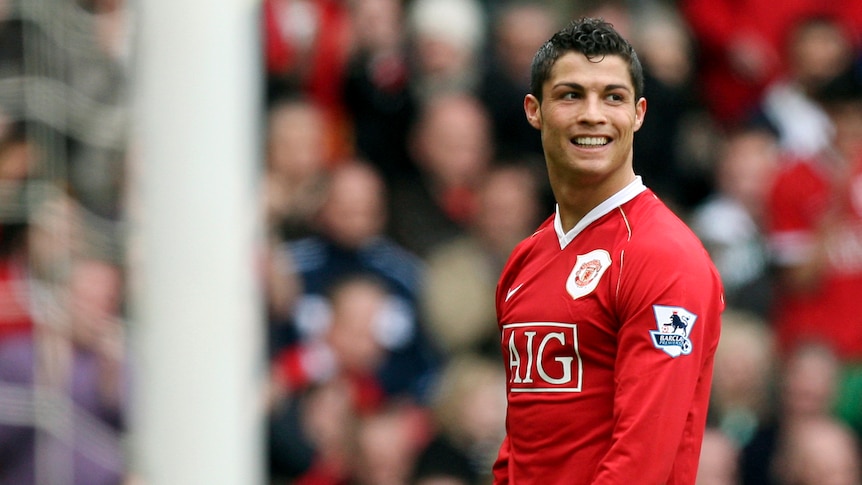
[(587, 272)]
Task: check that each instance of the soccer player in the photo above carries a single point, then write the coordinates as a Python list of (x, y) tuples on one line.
[(610, 312)]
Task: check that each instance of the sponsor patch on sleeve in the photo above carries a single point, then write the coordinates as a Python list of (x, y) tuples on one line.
[(673, 325)]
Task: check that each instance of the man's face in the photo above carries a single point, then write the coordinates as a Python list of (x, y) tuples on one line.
[(588, 117)]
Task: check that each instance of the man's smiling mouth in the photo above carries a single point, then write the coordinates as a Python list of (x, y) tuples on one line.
[(591, 141)]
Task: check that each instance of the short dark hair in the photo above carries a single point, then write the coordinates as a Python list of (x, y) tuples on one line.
[(595, 39)]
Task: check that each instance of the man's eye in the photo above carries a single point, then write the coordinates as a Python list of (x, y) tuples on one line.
[(615, 97), (571, 96)]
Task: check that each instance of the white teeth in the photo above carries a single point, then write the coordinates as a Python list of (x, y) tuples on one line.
[(591, 140)]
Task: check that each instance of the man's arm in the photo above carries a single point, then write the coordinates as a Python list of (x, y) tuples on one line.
[(661, 381)]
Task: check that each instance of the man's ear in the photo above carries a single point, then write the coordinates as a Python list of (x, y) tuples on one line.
[(640, 112), (532, 108)]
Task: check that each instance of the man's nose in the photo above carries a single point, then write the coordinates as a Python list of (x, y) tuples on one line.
[(593, 111)]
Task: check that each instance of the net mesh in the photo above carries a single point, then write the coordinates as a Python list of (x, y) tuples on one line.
[(64, 122)]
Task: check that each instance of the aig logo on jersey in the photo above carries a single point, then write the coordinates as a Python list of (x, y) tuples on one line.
[(543, 357), (674, 326)]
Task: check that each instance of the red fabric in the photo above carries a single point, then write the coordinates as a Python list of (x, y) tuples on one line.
[(296, 369), (321, 67), (459, 203), (594, 398), (290, 369), (322, 473), (717, 24), (800, 200), (368, 395), (279, 54), (319, 70), (15, 314)]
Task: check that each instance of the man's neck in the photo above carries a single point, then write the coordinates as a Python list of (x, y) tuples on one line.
[(576, 200)]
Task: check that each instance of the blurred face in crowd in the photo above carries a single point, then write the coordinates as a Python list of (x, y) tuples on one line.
[(56, 230), (354, 211), (484, 408), (16, 160), (847, 119), (718, 460), (743, 365), (508, 209), (810, 379), (386, 448), (820, 452), (521, 30), (664, 46), (297, 140), (377, 24), (453, 140), (819, 51), (746, 168), (446, 35), (94, 299), (469, 404), (329, 420), (440, 58), (356, 309)]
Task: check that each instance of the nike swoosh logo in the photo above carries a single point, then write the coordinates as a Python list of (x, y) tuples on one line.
[(512, 291)]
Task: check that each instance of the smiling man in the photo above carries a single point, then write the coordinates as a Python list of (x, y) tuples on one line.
[(610, 312)]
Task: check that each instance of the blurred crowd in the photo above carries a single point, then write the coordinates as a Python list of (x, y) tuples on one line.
[(398, 173)]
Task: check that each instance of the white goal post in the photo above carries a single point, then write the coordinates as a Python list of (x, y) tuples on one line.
[(196, 318)]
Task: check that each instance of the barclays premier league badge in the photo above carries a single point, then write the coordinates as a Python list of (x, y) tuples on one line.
[(674, 326)]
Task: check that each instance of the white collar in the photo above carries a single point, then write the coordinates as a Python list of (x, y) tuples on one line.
[(626, 194)]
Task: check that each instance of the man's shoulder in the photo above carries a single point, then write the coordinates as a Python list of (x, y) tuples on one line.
[(661, 250), (646, 214), (656, 231), (540, 240), (538, 237)]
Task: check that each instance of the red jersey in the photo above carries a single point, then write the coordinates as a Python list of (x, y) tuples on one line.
[(608, 337), (802, 199)]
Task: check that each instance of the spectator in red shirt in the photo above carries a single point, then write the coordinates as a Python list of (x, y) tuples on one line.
[(741, 45)]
